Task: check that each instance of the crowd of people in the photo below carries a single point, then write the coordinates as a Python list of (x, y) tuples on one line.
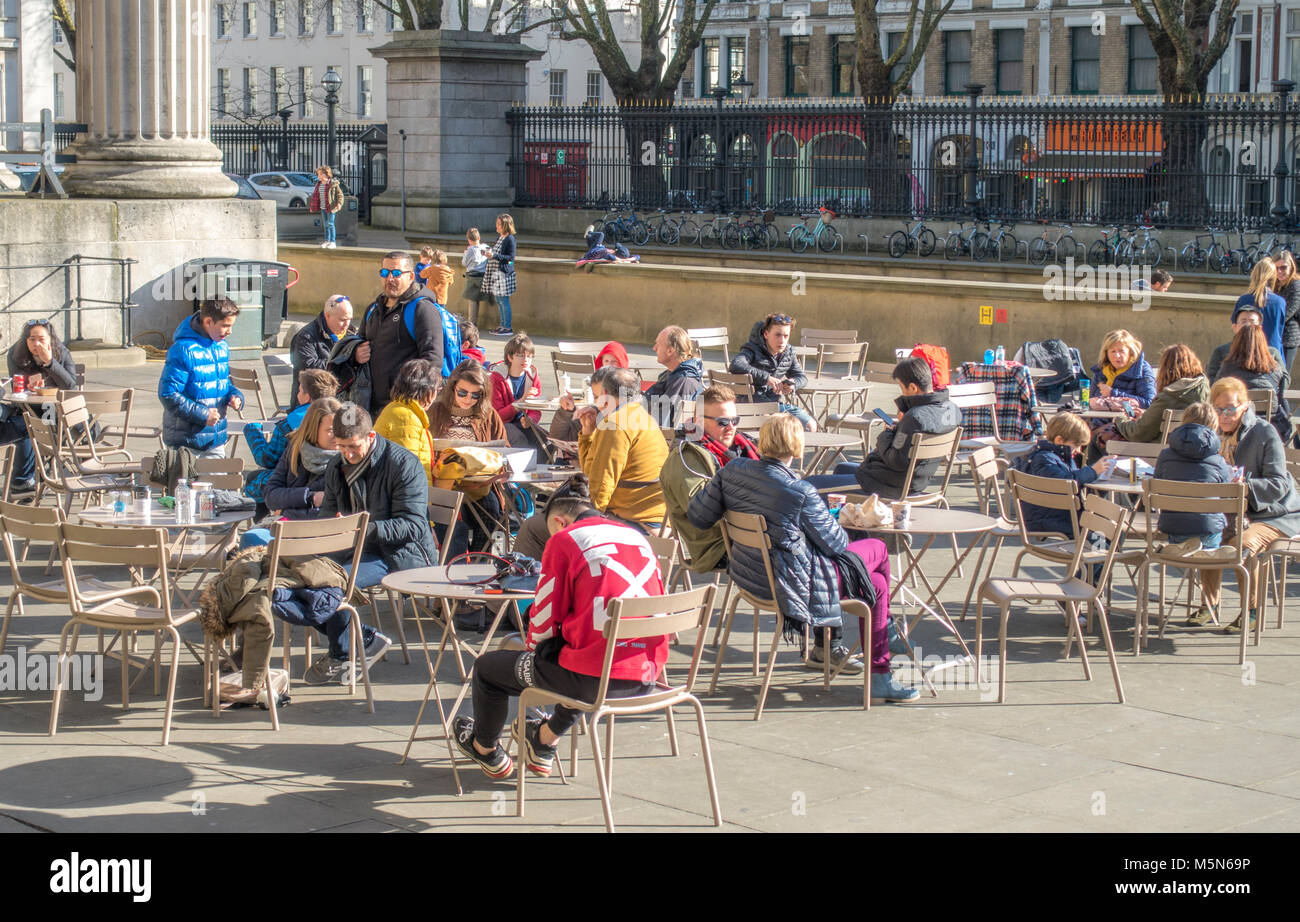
[(373, 401)]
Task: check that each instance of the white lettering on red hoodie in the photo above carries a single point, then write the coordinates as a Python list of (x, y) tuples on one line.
[(584, 568)]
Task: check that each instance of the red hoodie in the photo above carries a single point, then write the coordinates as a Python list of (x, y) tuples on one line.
[(616, 350), (585, 567)]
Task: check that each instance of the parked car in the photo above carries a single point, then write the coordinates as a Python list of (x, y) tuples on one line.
[(287, 190), (246, 189)]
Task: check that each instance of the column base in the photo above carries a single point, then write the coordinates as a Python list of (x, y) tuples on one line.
[(184, 169)]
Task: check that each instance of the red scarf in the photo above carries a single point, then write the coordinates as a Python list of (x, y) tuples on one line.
[(740, 448)]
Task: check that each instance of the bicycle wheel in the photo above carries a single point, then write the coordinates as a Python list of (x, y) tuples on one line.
[(688, 232), (979, 246), (826, 239), (1067, 248), (1149, 254), (1038, 251), (952, 247), (771, 239), (1193, 256), (1098, 253), (925, 241), (640, 233), (666, 233), (1214, 258), (1248, 260), (799, 239), (898, 244), (1007, 248), (708, 237), (731, 236)]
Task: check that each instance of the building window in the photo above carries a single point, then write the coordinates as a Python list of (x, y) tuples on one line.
[(956, 62), (250, 92), (306, 85), (306, 21), (557, 87), (844, 71), (1009, 45), (736, 49), (796, 65), (711, 58), (279, 89), (222, 102), (392, 22), (58, 95), (1245, 29), (250, 20), (1142, 72), (593, 87), (894, 41), (365, 15), (334, 17), (365, 94), (1085, 60), (277, 17), (1292, 43), (223, 22)]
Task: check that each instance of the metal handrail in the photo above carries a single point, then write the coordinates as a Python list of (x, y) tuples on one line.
[(74, 301)]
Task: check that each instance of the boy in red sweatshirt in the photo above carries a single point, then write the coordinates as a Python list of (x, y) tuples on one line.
[(589, 561)]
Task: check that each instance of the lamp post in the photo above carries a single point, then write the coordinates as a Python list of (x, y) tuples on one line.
[(719, 153), (972, 162), (1282, 88), (284, 139), (331, 82)]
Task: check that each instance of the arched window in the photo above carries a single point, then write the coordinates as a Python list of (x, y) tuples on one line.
[(1218, 176), (838, 161), (785, 158)]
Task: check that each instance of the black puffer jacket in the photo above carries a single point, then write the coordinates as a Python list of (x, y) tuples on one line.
[(1276, 380), (1270, 492), (1290, 293), (395, 491), (392, 344), (805, 537), (1192, 456), (764, 369), (884, 470), (291, 493), (664, 397), (60, 373), (310, 348)]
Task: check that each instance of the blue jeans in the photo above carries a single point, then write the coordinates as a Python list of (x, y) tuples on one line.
[(255, 537), (797, 413), (503, 309), (327, 219), (836, 481), (1208, 542), (14, 431), (371, 570)]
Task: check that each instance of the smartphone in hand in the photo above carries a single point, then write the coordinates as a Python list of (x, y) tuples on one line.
[(888, 420)]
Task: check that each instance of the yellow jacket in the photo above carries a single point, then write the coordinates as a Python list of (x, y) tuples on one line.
[(622, 459), (404, 422)]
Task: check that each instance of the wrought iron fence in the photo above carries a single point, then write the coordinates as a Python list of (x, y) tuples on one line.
[(1219, 160)]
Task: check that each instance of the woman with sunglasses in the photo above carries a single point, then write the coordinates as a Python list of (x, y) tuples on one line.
[(463, 410), (1272, 504), (40, 357)]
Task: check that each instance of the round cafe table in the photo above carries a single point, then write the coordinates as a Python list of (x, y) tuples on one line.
[(833, 390), (448, 585), (931, 522)]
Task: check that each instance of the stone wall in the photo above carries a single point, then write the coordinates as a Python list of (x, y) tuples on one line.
[(160, 234)]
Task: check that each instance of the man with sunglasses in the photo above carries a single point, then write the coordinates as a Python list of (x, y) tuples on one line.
[(394, 333), (712, 442)]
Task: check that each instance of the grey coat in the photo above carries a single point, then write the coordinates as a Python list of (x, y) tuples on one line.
[(1271, 495)]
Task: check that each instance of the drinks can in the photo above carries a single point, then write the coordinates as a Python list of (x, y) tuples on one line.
[(121, 501), (835, 500), (20, 383)]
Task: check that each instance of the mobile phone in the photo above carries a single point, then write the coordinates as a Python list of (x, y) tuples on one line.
[(1129, 411), (886, 418)]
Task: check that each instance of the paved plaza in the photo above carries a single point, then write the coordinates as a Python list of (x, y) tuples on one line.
[(1202, 744)]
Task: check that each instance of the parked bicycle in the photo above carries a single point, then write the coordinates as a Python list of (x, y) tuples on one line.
[(1064, 247), (919, 239), (1003, 244), (824, 234), (754, 232), (1102, 251), (963, 242)]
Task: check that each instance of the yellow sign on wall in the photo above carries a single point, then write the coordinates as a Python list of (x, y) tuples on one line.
[(986, 315)]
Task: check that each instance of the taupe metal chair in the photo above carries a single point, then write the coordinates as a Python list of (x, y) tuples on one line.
[(444, 509), (1159, 496), (743, 385), (582, 347), (250, 384), (809, 336), (1100, 516), (278, 369), (52, 470), (1263, 400), (6, 470), (632, 620), (81, 453), (881, 373), (753, 415), (131, 550), (1284, 550), (711, 338), (576, 365), (103, 406)]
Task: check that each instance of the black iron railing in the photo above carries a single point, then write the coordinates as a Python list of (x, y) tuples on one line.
[(1219, 160)]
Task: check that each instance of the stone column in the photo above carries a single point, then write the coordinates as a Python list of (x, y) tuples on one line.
[(450, 91), (143, 91)]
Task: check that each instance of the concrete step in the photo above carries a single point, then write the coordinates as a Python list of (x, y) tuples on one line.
[(96, 354)]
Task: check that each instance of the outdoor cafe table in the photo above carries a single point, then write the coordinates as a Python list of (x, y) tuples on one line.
[(437, 583), (832, 389), (931, 522), (826, 447)]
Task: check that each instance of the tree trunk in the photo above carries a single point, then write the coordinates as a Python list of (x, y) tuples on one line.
[(885, 177), (643, 132)]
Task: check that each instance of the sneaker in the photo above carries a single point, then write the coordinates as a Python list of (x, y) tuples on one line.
[(539, 758), (20, 487), (840, 659), (885, 688), (325, 671), (1202, 616), (896, 644), (497, 765), (1235, 626), (375, 648)]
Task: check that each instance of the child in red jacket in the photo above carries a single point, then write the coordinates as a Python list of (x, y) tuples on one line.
[(588, 562), (513, 380)]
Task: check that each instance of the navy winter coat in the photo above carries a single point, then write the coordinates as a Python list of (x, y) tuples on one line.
[(1193, 457), (884, 470), (1276, 381), (195, 379), (764, 369), (805, 537), (290, 492), (1057, 462), (664, 397), (1137, 381)]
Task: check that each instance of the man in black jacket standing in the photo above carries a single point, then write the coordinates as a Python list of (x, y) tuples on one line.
[(389, 341), (920, 409), (373, 475), (311, 346)]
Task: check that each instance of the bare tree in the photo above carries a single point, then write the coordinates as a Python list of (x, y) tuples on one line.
[(874, 69), (1188, 40), (63, 20)]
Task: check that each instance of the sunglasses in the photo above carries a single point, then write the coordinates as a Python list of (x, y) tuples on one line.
[(1229, 411), (393, 273), (462, 393), (725, 421), (32, 324), (782, 319)]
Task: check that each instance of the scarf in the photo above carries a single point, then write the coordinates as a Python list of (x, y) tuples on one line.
[(1228, 445), (1110, 373), (314, 458), (740, 448), (352, 474)]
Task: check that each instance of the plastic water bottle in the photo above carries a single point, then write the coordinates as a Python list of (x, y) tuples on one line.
[(1085, 390), (1001, 356), (588, 397), (184, 504), (565, 384), (498, 542)]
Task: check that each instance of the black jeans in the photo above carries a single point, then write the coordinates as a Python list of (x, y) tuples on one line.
[(503, 674)]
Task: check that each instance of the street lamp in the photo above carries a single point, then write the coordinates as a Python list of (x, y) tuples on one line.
[(331, 82), (284, 139), (719, 153)]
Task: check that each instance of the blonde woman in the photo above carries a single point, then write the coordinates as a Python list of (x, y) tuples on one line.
[(1287, 287), (1262, 298), (1122, 370)]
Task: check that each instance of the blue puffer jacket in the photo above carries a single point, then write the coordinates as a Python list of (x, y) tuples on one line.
[(804, 535), (1137, 381), (195, 379), (1192, 456), (1056, 461)]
